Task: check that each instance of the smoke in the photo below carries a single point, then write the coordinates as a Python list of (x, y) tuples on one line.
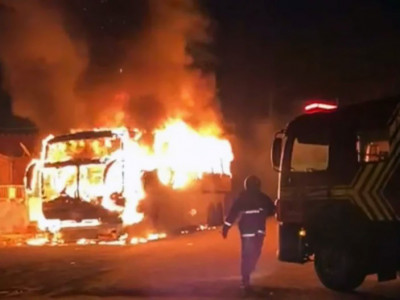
[(159, 77), (55, 78), (253, 153), (41, 63)]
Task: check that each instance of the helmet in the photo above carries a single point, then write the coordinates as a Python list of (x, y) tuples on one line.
[(252, 183)]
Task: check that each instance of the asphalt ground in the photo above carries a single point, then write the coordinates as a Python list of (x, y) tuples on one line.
[(194, 266)]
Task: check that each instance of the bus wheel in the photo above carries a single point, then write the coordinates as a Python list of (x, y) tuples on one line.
[(338, 268)]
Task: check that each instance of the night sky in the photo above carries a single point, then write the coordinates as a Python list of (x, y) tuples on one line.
[(264, 52), (293, 50)]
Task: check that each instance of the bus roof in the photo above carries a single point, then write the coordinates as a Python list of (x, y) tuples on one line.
[(82, 135)]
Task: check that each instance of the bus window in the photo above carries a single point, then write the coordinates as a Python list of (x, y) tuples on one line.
[(309, 157)]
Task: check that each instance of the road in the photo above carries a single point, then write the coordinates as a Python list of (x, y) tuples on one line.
[(199, 265)]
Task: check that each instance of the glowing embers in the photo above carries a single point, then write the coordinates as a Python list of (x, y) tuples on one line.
[(39, 241), (55, 225), (48, 239), (43, 239), (124, 240)]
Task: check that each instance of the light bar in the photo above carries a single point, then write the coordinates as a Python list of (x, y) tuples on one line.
[(320, 106)]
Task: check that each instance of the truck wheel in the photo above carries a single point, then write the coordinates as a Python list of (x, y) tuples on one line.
[(338, 268)]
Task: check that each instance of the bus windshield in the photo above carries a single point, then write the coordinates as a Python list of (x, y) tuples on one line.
[(82, 149)]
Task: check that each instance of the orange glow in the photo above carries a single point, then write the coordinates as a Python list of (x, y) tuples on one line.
[(107, 165), (134, 241), (85, 242), (37, 241), (156, 236), (183, 154)]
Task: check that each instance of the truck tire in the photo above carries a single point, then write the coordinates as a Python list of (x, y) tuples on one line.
[(339, 268)]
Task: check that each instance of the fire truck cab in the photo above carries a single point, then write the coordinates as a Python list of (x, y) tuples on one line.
[(338, 193)]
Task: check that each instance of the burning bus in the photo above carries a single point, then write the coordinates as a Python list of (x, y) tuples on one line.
[(108, 179)]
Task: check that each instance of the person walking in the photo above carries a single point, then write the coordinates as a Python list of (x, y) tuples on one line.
[(252, 207)]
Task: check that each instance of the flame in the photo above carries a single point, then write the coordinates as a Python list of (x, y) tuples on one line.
[(156, 236), (37, 241), (123, 240), (114, 166), (184, 154)]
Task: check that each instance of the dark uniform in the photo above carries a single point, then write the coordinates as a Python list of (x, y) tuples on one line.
[(253, 207)]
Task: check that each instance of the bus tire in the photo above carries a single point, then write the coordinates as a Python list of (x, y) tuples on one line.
[(339, 268)]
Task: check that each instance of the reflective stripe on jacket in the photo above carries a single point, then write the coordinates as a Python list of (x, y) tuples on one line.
[(252, 208)]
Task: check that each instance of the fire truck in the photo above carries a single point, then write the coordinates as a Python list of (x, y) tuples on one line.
[(338, 199), (84, 179)]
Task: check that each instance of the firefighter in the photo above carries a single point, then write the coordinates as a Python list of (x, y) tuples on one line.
[(253, 207)]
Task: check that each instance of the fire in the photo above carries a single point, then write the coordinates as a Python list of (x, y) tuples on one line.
[(183, 154), (85, 242), (37, 241), (106, 166)]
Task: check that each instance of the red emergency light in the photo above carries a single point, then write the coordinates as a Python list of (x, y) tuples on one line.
[(319, 106)]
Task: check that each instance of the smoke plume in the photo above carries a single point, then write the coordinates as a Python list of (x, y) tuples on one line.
[(55, 79), (42, 64)]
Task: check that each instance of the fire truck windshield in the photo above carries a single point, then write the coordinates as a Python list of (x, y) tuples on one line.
[(307, 157), (310, 146), (82, 149)]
